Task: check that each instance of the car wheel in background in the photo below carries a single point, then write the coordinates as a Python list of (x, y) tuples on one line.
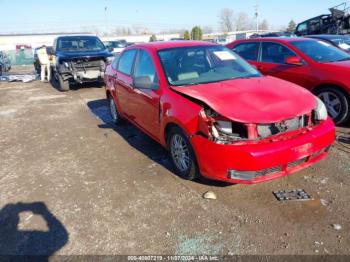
[(337, 103), (116, 119), (182, 154), (63, 86)]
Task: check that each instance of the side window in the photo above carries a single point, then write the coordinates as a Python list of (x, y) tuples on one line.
[(248, 51), (145, 67), (115, 63), (126, 61), (302, 28), (275, 53)]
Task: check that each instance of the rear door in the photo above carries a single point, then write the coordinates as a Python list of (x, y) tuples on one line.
[(249, 51), (144, 102), (272, 62), (123, 80)]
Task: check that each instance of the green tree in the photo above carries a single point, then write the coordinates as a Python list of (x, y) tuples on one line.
[(153, 38), (196, 33), (291, 26), (187, 35)]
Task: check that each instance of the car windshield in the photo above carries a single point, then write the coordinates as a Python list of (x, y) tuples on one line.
[(203, 64), (320, 51), (80, 44)]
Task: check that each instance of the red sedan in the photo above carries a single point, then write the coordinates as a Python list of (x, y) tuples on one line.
[(314, 64), (216, 114)]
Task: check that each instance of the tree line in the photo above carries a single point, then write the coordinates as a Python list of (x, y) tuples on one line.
[(229, 21)]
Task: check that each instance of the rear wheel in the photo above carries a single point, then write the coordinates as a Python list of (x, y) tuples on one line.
[(182, 154), (114, 111), (337, 103), (63, 85)]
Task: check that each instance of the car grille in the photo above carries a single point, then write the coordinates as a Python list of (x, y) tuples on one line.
[(297, 162), (84, 64), (270, 171), (266, 130)]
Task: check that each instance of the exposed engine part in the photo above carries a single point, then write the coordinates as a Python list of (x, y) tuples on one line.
[(223, 131), (267, 130), (83, 68)]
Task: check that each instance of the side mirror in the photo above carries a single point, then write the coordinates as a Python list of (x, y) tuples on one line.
[(144, 82), (294, 60), (110, 49)]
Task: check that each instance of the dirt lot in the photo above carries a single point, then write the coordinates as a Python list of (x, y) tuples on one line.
[(72, 183)]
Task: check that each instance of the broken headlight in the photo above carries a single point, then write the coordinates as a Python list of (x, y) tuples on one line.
[(320, 112), (219, 129)]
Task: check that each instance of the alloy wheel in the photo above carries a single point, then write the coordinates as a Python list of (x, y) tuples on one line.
[(180, 153), (332, 102)]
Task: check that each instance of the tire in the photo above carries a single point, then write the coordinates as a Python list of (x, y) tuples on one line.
[(116, 118), (186, 166), (337, 103), (63, 86)]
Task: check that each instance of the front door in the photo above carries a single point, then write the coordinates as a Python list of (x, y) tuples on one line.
[(144, 102)]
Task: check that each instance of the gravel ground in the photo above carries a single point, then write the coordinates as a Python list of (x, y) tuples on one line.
[(72, 183)]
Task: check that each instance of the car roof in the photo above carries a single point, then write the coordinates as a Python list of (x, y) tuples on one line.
[(276, 39), (172, 44), (329, 36), (73, 36)]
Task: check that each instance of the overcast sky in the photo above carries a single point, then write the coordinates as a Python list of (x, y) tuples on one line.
[(28, 16)]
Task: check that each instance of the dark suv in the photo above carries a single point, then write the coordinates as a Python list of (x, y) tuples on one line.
[(79, 59)]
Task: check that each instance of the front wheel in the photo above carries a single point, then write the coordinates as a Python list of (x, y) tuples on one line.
[(182, 154), (63, 86), (337, 103)]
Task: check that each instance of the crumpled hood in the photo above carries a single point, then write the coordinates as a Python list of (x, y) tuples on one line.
[(254, 100)]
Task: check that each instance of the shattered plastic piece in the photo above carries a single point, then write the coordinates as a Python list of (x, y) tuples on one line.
[(24, 78), (292, 195), (209, 195), (337, 227), (324, 202)]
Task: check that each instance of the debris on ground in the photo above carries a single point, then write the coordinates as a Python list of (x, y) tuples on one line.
[(292, 195), (19, 78), (324, 202), (209, 195), (337, 227), (324, 181)]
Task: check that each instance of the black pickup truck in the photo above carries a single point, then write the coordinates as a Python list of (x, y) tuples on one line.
[(79, 59)]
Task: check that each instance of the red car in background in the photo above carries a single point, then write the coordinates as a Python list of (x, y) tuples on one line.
[(314, 64), (215, 113)]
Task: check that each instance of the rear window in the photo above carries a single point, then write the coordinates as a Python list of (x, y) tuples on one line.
[(248, 51)]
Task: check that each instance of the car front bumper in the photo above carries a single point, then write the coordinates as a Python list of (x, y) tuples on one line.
[(251, 163)]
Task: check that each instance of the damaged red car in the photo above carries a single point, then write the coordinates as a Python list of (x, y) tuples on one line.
[(216, 114)]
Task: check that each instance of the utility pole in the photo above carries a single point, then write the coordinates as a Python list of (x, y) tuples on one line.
[(256, 7), (106, 19)]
